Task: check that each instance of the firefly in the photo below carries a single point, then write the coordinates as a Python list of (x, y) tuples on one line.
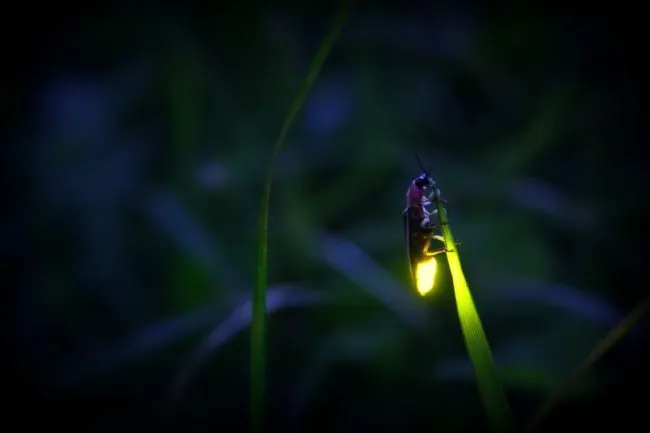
[(419, 230)]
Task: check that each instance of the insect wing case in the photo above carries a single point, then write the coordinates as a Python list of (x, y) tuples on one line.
[(417, 239)]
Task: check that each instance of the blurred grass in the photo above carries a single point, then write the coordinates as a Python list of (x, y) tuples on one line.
[(258, 324), (603, 346)]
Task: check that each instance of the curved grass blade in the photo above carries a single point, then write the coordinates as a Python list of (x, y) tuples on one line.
[(151, 338), (601, 348), (258, 327), (489, 385), (277, 298), (348, 259)]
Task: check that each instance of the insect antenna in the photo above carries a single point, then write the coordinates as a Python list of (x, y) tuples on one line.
[(422, 167), (424, 170), (428, 173)]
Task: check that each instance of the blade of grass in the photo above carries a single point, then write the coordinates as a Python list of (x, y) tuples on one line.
[(348, 259), (277, 298), (489, 386), (258, 327), (601, 348)]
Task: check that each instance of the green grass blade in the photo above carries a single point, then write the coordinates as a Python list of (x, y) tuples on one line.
[(489, 386), (601, 348), (258, 326)]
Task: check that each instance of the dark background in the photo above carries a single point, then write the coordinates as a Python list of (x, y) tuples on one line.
[(138, 137)]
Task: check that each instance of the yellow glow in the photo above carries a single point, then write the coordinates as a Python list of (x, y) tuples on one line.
[(425, 274)]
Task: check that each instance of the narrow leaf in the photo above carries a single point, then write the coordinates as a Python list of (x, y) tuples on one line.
[(280, 297), (258, 328), (489, 385)]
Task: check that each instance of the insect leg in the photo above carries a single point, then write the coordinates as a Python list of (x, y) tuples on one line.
[(428, 227), (431, 253), (441, 239), (426, 223)]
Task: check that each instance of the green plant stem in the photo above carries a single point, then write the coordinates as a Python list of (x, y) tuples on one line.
[(258, 325)]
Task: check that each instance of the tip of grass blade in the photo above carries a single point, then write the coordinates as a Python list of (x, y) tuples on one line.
[(258, 326)]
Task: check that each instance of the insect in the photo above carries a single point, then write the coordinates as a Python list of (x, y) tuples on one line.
[(419, 230)]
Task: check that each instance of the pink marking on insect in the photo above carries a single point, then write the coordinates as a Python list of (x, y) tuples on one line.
[(417, 200), (414, 195)]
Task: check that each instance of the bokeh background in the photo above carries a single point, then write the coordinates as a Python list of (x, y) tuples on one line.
[(138, 138)]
